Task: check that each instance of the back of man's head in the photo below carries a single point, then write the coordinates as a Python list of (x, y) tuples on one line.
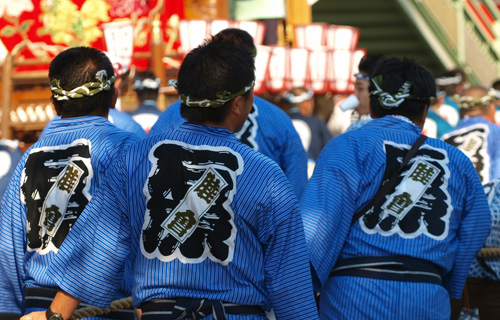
[(368, 63), (496, 84), (210, 76), (237, 36), (146, 85), (300, 97), (401, 87), (81, 80), (476, 101), (451, 81)]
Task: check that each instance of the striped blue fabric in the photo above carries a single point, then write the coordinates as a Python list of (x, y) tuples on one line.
[(125, 122), (10, 154), (478, 139), (265, 262), (121, 120), (446, 220), (146, 115), (268, 130), (489, 268), (23, 262), (359, 123)]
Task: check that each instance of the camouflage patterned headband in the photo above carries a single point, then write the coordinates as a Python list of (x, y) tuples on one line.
[(468, 102), (387, 100), (86, 90), (223, 97)]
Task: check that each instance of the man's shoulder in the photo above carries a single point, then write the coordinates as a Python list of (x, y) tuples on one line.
[(174, 108), (469, 124), (116, 135), (269, 109)]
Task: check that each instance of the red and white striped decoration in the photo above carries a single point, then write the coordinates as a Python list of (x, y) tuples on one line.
[(311, 36), (325, 59), (342, 37), (192, 33), (262, 68)]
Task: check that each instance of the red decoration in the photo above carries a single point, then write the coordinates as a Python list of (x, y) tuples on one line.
[(41, 29)]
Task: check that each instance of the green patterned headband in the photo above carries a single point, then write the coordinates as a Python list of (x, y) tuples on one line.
[(103, 83), (222, 97), (468, 102), (387, 100)]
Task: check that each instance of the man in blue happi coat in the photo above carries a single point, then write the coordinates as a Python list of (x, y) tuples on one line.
[(411, 250), (476, 134), (211, 228), (56, 178)]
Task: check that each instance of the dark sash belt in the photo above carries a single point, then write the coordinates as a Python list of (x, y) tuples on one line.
[(182, 308), (37, 297), (395, 268)]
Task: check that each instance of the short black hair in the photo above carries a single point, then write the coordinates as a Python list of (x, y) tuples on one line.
[(368, 63), (394, 74), (496, 84), (213, 67), (146, 93), (237, 36), (75, 67)]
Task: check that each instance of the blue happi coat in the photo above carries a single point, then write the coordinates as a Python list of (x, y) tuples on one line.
[(479, 140), (200, 215), (489, 267), (437, 212), (52, 184)]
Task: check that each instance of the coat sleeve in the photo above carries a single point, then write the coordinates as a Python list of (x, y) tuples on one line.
[(91, 262), (471, 234), (287, 272), (331, 199), (13, 248)]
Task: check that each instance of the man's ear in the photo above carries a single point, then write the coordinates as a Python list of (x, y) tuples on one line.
[(116, 93), (55, 103), (491, 112), (235, 105)]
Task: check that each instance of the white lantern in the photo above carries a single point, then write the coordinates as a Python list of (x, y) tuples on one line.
[(277, 69), (298, 67), (342, 37), (119, 38), (261, 68), (192, 33), (311, 36), (319, 65)]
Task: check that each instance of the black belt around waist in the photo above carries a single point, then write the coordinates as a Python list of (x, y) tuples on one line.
[(190, 308), (37, 297), (395, 268)]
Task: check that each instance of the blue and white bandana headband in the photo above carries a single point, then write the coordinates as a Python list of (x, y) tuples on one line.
[(222, 97), (148, 83), (88, 89), (387, 100)]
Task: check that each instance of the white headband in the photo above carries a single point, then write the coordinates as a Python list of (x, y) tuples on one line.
[(446, 81), (147, 83), (304, 96)]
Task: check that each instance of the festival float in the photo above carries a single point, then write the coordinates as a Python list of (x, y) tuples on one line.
[(155, 34)]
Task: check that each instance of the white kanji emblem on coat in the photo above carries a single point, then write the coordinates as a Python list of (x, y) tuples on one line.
[(189, 193), (248, 132), (55, 189), (420, 202), (473, 141)]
